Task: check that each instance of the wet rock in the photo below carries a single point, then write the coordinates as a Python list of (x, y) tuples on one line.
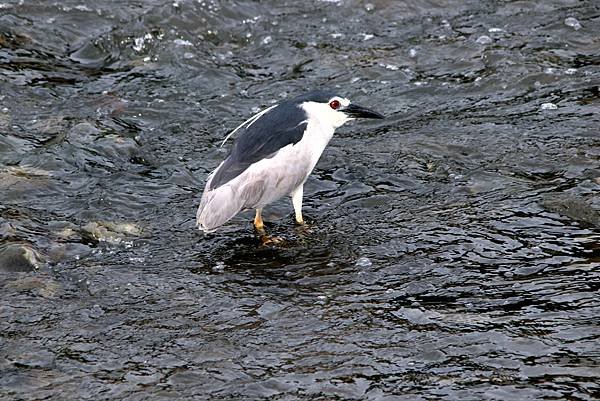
[(67, 233), (573, 207), (111, 232), (19, 258), (16, 174), (13, 40), (18, 182)]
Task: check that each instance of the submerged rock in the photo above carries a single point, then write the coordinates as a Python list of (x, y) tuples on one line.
[(17, 257), (111, 232), (31, 176), (573, 207), (43, 286)]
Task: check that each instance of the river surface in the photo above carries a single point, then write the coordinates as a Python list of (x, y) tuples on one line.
[(452, 250)]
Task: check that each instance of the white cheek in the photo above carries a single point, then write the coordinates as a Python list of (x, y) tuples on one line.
[(327, 116), (336, 118)]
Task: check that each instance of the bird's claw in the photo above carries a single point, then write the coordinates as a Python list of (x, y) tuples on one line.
[(270, 240)]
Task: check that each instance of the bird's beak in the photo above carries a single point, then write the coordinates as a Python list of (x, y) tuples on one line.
[(356, 111)]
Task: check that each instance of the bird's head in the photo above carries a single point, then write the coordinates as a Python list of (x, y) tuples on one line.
[(332, 109)]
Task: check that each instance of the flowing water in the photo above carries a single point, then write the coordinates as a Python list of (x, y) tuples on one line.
[(452, 251)]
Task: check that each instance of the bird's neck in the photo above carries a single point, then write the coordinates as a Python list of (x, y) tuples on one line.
[(319, 132)]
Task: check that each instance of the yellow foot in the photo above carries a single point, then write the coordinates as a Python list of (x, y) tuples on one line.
[(301, 224), (299, 219), (260, 230), (303, 230), (259, 226), (258, 221), (271, 240)]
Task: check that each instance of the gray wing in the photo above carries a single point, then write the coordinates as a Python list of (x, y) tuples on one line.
[(280, 126), (219, 206)]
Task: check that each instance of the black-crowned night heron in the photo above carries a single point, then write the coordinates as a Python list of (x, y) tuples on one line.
[(273, 156)]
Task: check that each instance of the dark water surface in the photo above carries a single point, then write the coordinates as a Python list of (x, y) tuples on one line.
[(453, 251)]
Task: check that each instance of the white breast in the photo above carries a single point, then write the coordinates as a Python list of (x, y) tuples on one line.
[(313, 143)]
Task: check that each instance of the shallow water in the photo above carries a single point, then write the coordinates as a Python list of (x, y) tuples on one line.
[(453, 249)]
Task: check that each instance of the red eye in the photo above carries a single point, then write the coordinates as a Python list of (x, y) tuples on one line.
[(334, 104)]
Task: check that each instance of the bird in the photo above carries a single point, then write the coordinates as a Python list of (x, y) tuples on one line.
[(273, 155)]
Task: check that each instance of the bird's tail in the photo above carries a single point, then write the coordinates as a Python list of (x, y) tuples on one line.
[(217, 207)]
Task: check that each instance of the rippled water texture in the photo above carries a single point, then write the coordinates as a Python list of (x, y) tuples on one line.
[(453, 249)]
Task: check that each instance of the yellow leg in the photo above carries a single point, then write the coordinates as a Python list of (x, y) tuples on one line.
[(258, 221), (260, 228)]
